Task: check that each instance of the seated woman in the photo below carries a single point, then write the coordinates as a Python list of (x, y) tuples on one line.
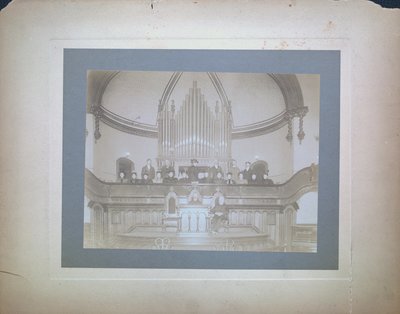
[(122, 177), (253, 180), (241, 179), (134, 179), (200, 177), (205, 179), (171, 178), (266, 180), (219, 179), (166, 169), (158, 179), (183, 177), (146, 179)]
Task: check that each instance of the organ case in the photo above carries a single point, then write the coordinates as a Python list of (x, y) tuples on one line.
[(194, 130)]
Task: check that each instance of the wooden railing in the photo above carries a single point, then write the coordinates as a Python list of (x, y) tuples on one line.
[(303, 181)]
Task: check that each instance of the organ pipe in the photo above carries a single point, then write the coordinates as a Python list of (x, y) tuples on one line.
[(194, 130)]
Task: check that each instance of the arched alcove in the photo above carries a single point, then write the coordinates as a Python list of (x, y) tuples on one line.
[(125, 165), (171, 204)]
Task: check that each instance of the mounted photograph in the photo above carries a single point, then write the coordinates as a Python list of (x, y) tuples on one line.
[(203, 161)]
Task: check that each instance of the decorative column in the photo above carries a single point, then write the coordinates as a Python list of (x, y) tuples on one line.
[(98, 223), (289, 115), (301, 113), (97, 112), (290, 220), (279, 229)]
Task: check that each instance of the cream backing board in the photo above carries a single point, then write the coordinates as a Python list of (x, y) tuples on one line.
[(32, 36)]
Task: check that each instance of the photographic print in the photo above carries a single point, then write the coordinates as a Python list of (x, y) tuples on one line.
[(204, 161)]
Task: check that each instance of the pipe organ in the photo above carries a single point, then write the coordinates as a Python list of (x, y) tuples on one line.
[(195, 130)]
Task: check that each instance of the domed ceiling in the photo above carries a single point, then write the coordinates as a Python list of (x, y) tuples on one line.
[(129, 101), (135, 95)]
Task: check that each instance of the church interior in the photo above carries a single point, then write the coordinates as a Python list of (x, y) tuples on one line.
[(201, 161)]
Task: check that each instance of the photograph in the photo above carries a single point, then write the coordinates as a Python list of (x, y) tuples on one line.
[(203, 161)]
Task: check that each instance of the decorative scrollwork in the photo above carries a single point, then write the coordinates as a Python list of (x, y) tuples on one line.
[(289, 115), (301, 112), (162, 243), (97, 112)]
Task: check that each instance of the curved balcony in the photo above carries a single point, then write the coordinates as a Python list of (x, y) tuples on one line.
[(304, 181), (258, 218)]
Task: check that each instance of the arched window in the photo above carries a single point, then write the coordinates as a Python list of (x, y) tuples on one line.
[(126, 166)]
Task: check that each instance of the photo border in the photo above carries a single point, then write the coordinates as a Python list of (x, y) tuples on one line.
[(76, 63)]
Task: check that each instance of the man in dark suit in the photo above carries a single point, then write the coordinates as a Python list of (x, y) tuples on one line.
[(247, 172), (149, 170), (229, 179), (193, 170)]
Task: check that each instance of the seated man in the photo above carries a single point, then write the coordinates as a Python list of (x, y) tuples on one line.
[(171, 178), (134, 179), (229, 179)]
